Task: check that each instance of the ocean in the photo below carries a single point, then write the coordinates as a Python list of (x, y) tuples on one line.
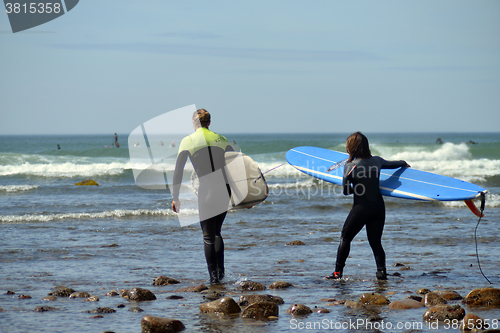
[(119, 236)]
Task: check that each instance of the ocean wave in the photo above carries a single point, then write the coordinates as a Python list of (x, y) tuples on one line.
[(446, 152), (65, 169), (452, 160), (118, 213), (467, 170), (492, 200), (17, 188)]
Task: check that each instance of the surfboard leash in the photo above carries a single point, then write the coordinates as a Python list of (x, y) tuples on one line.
[(483, 203), (263, 173)]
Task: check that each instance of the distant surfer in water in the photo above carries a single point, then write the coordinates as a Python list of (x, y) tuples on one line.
[(116, 141), (361, 178), (206, 151)]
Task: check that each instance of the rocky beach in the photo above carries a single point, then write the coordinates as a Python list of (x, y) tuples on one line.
[(127, 265)]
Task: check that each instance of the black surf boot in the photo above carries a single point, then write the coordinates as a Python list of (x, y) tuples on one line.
[(214, 278), (381, 274), (220, 273), (334, 276)]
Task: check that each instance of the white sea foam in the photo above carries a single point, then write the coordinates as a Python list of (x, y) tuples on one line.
[(492, 200), (452, 160), (446, 152), (67, 169), (118, 213), (17, 188)]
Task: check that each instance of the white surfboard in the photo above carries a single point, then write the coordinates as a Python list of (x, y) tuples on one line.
[(248, 185)]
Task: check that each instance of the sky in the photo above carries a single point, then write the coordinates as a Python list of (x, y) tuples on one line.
[(272, 66)]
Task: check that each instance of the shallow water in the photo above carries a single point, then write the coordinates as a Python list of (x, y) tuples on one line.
[(435, 245)]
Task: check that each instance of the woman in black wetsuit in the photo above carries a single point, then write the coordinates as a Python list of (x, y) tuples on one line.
[(361, 178)]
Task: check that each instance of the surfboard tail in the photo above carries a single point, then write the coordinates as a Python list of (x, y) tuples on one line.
[(473, 208)]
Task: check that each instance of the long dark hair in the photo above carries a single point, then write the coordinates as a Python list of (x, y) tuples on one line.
[(357, 146)]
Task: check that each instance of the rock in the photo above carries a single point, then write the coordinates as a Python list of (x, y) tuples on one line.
[(483, 296), (295, 242), (353, 304), (415, 298), (212, 295), (261, 310), (61, 291), (374, 299), (10, 292), (121, 305), (150, 324), (251, 286), (80, 294), (405, 304), (49, 298), (192, 289), (327, 300), (280, 285), (449, 295), (44, 308), (423, 291), (92, 299), (299, 310), (164, 281), (112, 293), (139, 295), (282, 262), (88, 182), (245, 300), (225, 305), (442, 312), (21, 296), (102, 310), (175, 297), (472, 322), (135, 309), (320, 310), (431, 299), (111, 245)]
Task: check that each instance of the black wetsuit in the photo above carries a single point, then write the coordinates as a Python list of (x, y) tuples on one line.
[(206, 151), (361, 178)]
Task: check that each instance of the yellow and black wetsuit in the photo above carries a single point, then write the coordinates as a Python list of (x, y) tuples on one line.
[(206, 151)]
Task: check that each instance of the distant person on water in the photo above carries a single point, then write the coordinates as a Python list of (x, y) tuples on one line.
[(439, 141), (206, 151), (361, 178), (58, 147), (116, 141)]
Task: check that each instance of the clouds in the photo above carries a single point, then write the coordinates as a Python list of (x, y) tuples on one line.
[(208, 51)]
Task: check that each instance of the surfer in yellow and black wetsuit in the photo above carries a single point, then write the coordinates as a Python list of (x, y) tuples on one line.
[(361, 178), (206, 151)]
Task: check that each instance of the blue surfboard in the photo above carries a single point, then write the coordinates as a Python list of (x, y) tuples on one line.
[(406, 183)]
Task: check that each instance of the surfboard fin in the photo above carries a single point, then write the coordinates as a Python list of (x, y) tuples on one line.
[(473, 208)]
